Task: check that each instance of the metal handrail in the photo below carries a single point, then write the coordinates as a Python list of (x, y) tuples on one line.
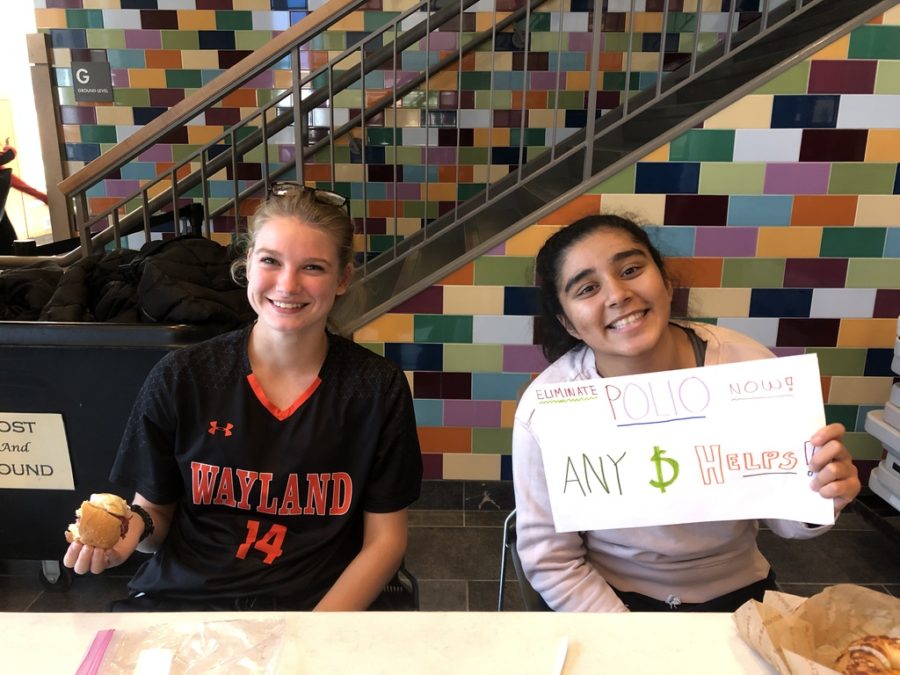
[(179, 186), (257, 128), (519, 202), (285, 119), (584, 142), (260, 60)]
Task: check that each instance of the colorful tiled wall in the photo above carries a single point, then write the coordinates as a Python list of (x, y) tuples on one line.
[(781, 216), (449, 144)]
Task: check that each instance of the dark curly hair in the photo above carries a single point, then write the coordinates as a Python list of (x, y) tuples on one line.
[(555, 339)]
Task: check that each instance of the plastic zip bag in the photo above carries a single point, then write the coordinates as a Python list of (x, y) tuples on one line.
[(239, 646)]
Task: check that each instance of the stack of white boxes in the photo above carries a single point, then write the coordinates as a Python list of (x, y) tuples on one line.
[(885, 426)]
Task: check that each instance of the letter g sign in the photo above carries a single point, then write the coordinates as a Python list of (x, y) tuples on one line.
[(92, 80)]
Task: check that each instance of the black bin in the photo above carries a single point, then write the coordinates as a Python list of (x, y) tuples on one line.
[(91, 374)]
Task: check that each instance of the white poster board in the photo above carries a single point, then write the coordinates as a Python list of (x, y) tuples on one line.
[(700, 444), (34, 454)]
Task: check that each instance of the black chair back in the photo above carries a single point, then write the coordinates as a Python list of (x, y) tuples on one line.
[(530, 598)]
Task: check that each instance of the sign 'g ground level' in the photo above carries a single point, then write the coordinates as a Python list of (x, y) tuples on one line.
[(92, 81)]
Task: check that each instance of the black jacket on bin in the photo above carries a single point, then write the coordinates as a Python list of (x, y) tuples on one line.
[(185, 280)]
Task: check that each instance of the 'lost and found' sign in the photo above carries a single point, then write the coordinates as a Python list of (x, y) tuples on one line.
[(700, 444), (34, 454)]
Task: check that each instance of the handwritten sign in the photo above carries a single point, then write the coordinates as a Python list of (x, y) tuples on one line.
[(700, 444), (34, 454)]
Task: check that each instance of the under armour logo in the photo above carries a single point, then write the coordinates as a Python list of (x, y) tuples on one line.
[(214, 427)]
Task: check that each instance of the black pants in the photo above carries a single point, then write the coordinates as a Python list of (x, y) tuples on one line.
[(724, 603), (7, 235)]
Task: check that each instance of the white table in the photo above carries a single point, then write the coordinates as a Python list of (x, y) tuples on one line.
[(431, 643)]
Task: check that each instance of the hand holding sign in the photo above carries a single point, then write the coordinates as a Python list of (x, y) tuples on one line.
[(834, 474), (715, 443)]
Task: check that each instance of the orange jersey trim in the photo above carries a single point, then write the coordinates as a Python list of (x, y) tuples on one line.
[(277, 412)]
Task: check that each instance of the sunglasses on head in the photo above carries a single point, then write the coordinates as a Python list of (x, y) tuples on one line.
[(285, 187)]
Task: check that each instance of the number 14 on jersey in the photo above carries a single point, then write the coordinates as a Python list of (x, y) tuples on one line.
[(270, 543)]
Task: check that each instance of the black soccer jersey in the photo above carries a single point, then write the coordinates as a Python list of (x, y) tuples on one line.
[(269, 502)]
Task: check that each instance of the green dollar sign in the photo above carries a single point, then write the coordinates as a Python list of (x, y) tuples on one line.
[(658, 459)]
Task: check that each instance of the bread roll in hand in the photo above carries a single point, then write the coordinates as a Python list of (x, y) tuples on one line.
[(102, 521)]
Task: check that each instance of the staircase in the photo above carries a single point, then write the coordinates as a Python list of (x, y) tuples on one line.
[(395, 121)]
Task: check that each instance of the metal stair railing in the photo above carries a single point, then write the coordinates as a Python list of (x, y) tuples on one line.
[(168, 190), (77, 186), (358, 121), (607, 145), (223, 151), (312, 106)]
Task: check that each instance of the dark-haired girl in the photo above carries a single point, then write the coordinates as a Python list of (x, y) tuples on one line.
[(606, 312)]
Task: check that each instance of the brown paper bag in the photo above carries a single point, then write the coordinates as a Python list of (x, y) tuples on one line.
[(804, 636)]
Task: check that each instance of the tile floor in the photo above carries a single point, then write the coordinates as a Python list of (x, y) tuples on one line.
[(455, 545)]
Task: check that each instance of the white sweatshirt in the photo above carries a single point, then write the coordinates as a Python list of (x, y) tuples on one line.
[(694, 562)]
